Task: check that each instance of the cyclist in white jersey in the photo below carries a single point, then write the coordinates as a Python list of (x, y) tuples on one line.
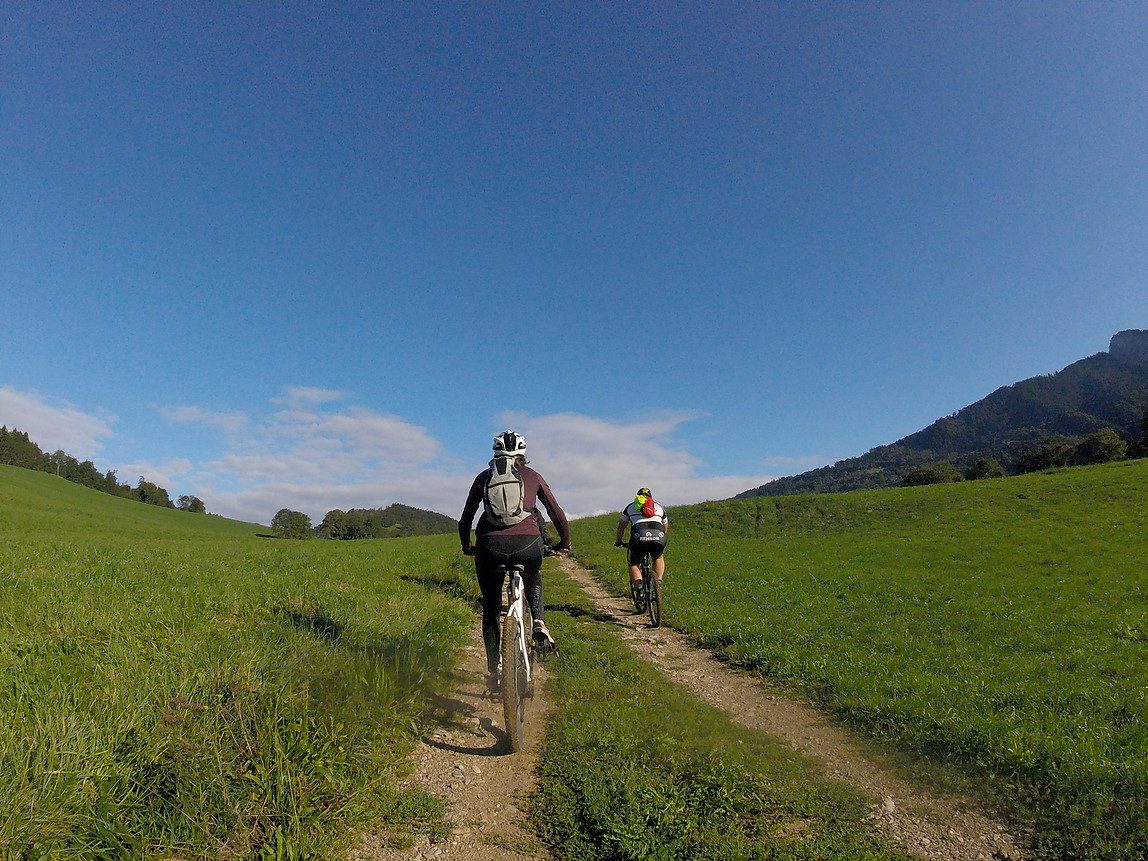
[(648, 526)]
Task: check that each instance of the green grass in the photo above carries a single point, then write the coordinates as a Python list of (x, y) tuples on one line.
[(1001, 625), (174, 685), (635, 768)]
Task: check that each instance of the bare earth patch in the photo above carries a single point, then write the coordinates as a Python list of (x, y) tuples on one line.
[(467, 762), (933, 826)]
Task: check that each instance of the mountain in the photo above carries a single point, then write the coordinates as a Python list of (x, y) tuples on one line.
[(1107, 390)]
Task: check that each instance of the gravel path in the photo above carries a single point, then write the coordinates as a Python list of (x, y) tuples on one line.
[(467, 761)]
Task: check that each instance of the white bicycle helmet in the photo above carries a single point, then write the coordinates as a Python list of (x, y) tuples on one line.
[(508, 443)]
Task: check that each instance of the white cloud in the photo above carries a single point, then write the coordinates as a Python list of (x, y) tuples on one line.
[(444, 492), (165, 474), (54, 424), (594, 465), (314, 454), (298, 395), (229, 421)]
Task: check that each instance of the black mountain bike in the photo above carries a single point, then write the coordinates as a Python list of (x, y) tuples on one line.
[(650, 597)]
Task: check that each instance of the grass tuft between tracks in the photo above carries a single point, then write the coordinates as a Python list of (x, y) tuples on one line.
[(634, 767)]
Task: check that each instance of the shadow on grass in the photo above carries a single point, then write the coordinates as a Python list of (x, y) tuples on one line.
[(447, 585), (316, 622), (576, 612), (398, 670)]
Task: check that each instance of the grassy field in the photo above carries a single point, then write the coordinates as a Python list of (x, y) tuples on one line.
[(174, 685), (636, 769), (1001, 625)]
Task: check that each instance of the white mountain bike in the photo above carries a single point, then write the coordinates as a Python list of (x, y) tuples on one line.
[(517, 650)]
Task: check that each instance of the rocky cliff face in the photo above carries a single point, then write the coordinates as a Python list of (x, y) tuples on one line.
[(1130, 346)]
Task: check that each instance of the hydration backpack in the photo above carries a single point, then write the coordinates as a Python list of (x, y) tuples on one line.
[(504, 493), (645, 504)]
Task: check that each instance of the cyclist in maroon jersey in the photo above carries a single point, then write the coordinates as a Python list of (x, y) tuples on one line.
[(509, 537)]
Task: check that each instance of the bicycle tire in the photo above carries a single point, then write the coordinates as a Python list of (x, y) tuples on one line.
[(653, 594), (513, 685)]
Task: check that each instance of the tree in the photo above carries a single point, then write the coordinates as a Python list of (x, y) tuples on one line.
[(1102, 447), (1054, 452), (932, 473), (291, 524), (986, 467), (152, 494), (334, 524), (17, 449), (191, 503)]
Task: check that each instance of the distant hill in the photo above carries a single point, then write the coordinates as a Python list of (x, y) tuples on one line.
[(394, 521), (33, 502), (1107, 390)]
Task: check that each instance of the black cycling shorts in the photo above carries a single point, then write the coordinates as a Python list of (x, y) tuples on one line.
[(493, 549), (644, 540)]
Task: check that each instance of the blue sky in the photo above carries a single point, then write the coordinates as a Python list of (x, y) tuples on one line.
[(290, 256)]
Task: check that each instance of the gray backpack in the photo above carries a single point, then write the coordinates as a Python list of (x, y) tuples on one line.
[(503, 497)]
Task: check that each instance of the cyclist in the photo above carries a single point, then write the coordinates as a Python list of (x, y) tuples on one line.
[(509, 537), (648, 526)]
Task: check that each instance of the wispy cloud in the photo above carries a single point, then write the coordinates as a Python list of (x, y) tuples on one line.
[(596, 465), (311, 451), (167, 474), (54, 424), (314, 454), (302, 395), (229, 421), (591, 464)]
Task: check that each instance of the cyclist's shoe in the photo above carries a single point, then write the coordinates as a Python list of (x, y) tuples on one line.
[(543, 642), (639, 592), (492, 684)]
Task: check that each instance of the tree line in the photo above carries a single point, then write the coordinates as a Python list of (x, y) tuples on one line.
[(394, 521), (17, 449), (1104, 446)]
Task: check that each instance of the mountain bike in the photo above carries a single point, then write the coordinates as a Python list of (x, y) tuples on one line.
[(650, 598), (517, 649)]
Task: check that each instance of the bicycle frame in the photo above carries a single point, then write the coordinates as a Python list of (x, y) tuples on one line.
[(516, 608)]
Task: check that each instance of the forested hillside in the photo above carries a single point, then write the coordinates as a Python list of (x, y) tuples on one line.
[(394, 521), (1105, 391), (17, 449)]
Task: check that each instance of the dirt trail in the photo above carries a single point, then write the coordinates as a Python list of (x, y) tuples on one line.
[(466, 760), (936, 827)]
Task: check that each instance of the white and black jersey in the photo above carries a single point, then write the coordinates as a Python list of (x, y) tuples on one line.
[(640, 523)]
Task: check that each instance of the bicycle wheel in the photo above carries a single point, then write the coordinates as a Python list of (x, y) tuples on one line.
[(513, 685), (653, 593)]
